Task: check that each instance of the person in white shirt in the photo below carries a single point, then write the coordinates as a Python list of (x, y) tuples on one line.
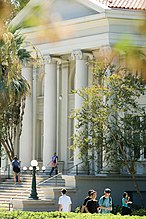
[(64, 202)]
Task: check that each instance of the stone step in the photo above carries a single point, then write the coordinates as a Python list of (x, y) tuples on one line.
[(18, 193), (4, 199), (14, 188), (25, 179), (10, 192), (60, 184), (6, 206)]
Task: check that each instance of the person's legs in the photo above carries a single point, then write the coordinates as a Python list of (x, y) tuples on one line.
[(14, 175), (56, 170), (18, 177), (51, 171)]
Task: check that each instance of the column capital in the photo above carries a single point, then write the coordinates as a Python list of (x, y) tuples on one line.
[(48, 59), (89, 55), (78, 55)]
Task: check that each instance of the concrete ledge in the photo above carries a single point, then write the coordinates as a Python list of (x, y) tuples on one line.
[(55, 192), (33, 205)]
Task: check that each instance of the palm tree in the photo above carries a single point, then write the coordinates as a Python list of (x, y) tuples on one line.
[(13, 89)]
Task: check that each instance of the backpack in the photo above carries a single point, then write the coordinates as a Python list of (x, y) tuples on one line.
[(110, 200), (15, 164)]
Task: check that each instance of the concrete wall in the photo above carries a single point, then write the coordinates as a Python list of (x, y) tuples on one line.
[(117, 183)]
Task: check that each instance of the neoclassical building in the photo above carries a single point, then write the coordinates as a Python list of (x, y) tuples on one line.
[(84, 28)]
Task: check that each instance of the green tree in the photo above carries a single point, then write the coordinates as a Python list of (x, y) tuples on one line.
[(13, 89), (19, 4), (111, 125)]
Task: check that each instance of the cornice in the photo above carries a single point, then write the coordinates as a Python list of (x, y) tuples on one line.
[(94, 5), (125, 14), (28, 10)]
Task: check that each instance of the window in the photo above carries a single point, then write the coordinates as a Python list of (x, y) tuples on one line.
[(136, 136), (135, 133)]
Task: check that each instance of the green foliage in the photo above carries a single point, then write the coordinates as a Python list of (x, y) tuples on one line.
[(18, 5), (109, 118), (110, 124), (13, 89), (51, 215), (140, 212)]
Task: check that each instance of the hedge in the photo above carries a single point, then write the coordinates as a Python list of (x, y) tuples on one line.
[(52, 215)]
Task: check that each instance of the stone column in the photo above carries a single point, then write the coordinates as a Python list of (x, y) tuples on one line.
[(81, 80), (64, 113), (26, 138), (34, 103), (50, 109)]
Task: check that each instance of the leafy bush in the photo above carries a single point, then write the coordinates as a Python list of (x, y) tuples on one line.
[(52, 215), (140, 212)]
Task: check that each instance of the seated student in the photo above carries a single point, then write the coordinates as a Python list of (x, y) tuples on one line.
[(83, 210), (92, 205), (126, 210)]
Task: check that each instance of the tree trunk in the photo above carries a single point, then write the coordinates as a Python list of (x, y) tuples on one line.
[(137, 189)]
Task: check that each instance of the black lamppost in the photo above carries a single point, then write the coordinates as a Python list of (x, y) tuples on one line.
[(33, 194)]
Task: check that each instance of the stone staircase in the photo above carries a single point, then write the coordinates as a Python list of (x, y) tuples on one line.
[(9, 191), (54, 181), (52, 187)]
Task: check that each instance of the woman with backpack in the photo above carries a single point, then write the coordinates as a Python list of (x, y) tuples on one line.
[(16, 169)]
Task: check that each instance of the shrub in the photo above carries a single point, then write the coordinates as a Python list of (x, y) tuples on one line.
[(52, 215), (140, 212)]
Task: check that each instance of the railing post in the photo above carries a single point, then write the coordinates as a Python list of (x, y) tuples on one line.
[(88, 169), (56, 181), (77, 169), (8, 171)]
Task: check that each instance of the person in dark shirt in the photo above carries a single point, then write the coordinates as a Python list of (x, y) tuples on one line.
[(53, 164), (92, 205), (16, 169), (83, 210)]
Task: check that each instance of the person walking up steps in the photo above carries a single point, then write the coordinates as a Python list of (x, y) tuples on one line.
[(53, 164), (16, 169)]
